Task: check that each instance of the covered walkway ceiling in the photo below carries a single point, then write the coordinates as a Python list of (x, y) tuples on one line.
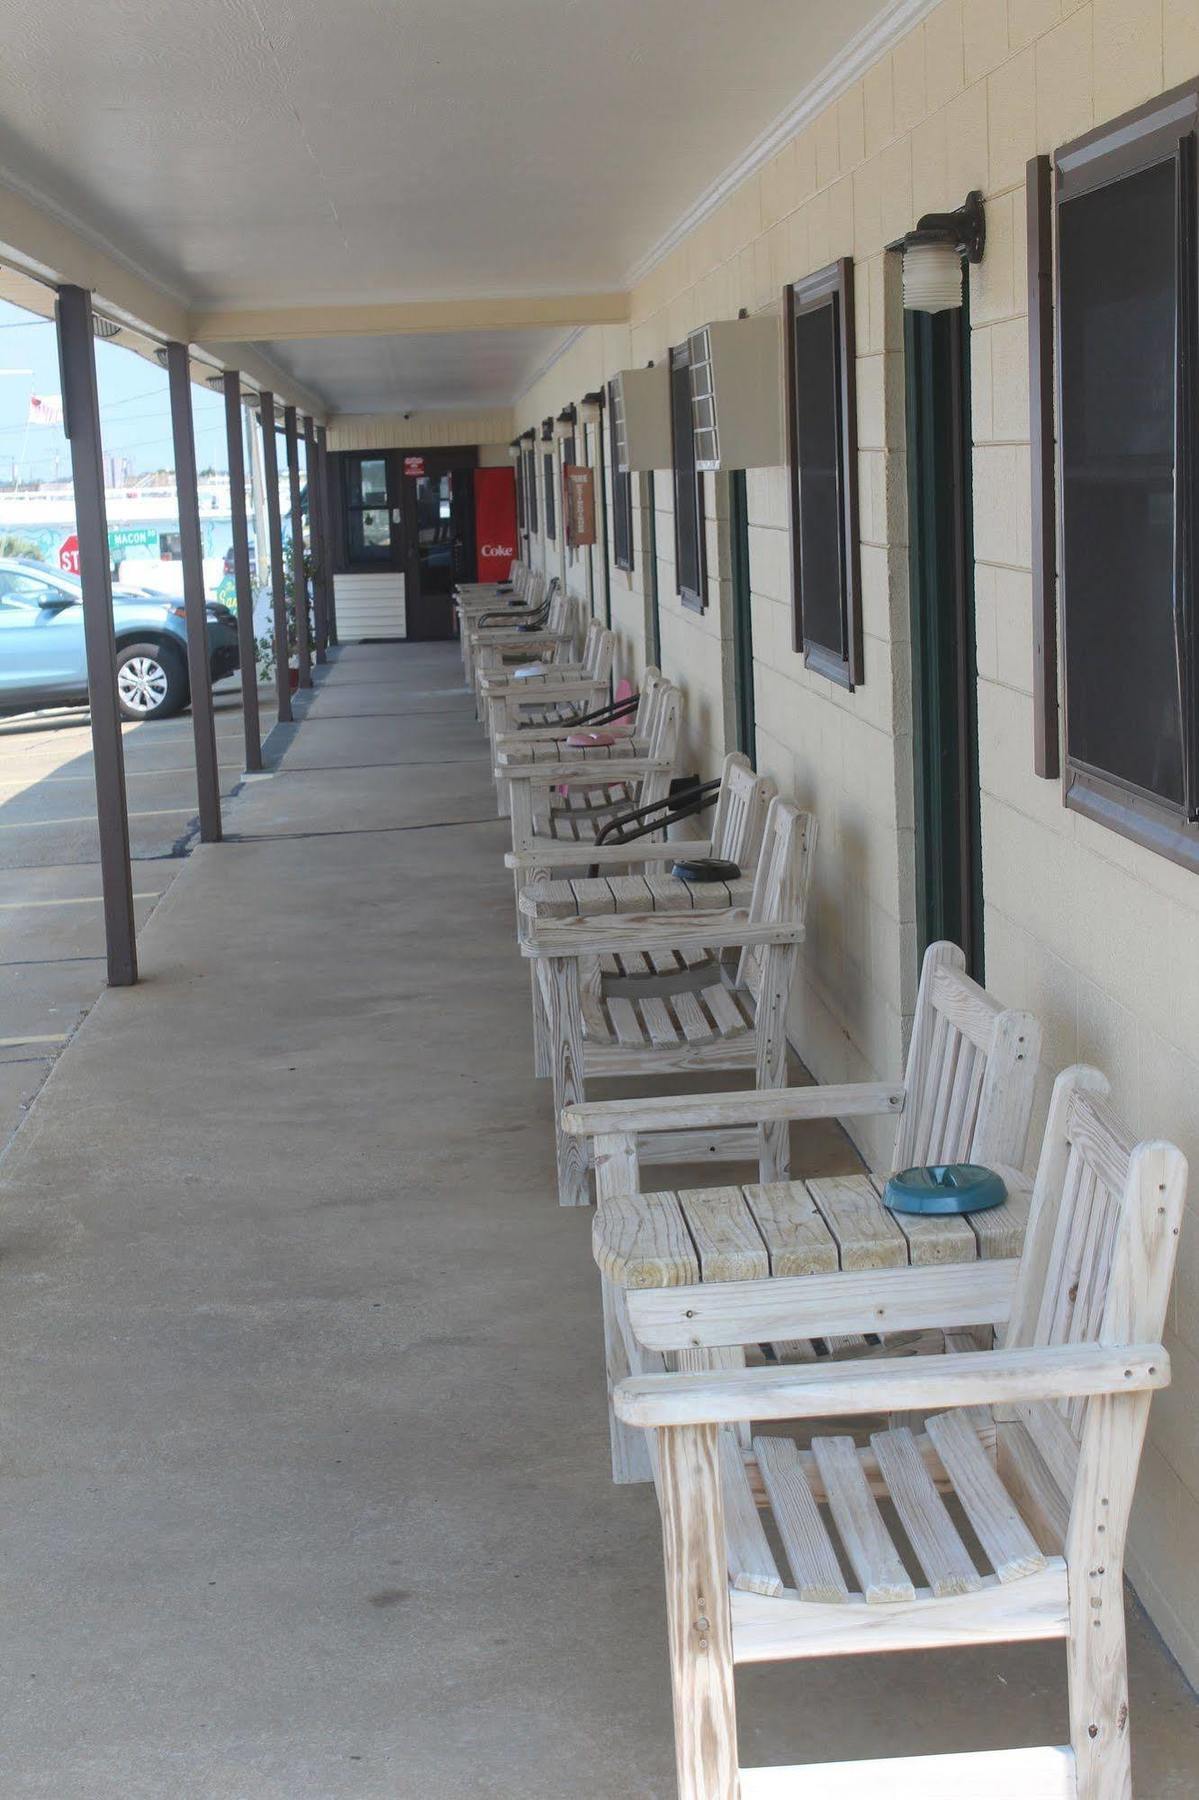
[(271, 167)]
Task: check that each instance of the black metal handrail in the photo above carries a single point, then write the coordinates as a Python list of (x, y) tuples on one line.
[(686, 798), (600, 715)]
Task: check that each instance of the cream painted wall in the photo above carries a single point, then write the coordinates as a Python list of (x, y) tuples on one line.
[(1098, 937), (420, 430)]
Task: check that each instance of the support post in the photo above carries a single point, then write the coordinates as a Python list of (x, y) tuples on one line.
[(322, 446), (274, 526), (316, 534), (299, 578), (247, 654), (199, 671), (81, 424)]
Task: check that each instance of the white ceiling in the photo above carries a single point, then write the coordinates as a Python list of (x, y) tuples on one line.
[(417, 374), (297, 152)]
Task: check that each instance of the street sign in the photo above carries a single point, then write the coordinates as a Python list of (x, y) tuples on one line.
[(68, 555), (414, 465)]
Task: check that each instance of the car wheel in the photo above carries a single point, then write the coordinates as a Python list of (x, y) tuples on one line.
[(151, 682)]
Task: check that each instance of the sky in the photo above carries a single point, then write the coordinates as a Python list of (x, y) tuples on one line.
[(134, 406)]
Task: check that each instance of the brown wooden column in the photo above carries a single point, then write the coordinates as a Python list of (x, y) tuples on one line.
[(274, 526), (247, 655), (199, 671), (322, 446), (316, 533), (81, 424), (298, 576)]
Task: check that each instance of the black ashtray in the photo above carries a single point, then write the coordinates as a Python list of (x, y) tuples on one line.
[(706, 868)]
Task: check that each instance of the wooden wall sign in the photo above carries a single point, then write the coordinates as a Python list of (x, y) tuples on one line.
[(578, 484)]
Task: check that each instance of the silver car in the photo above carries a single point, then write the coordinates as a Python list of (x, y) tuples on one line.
[(42, 657)]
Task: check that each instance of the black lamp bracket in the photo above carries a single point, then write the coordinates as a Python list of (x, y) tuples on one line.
[(965, 229)]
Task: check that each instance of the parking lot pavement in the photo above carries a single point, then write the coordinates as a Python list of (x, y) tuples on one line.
[(51, 914)]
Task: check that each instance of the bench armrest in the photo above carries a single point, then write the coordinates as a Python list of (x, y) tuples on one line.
[(601, 934), (559, 855), (916, 1384), (760, 1106), (599, 773), (534, 690)]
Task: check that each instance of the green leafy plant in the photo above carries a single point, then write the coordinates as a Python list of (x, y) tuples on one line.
[(13, 544)]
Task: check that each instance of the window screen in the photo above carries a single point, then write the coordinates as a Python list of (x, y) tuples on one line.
[(688, 487), (823, 457), (1127, 351), (1119, 374)]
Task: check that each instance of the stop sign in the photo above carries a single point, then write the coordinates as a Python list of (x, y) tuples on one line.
[(68, 555)]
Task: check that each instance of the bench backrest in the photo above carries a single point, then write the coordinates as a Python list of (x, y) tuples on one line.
[(971, 1074), (665, 720), (651, 681), (740, 811), (599, 646), (782, 878), (1098, 1258)]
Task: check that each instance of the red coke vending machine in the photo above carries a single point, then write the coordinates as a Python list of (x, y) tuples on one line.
[(495, 523)]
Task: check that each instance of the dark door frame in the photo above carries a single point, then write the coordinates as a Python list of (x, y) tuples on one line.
[(743, 632), (401, 490), (949, 890)]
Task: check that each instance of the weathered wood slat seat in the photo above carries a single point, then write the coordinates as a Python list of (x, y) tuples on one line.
[(566, 924), (1012, 1504)]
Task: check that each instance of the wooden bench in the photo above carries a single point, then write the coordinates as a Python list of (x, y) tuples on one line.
[(547, 693), (474, 599), (569, 797), (1038, 1454), (966, 1096), (737, 1021)]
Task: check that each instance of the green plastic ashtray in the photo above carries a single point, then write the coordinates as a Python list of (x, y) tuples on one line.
[(943, 1188)]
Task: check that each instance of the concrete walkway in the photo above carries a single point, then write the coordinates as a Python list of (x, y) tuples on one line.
[(305, 1484)]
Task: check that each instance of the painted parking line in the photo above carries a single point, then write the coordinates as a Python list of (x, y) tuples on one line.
[(131, 774), (75, 900), (158, 812), (16, 1043)]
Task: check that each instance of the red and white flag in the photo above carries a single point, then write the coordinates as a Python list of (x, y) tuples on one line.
[(44, 409)]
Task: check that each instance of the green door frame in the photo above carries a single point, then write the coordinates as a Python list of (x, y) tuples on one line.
[(743, 631), (651, 570), (949, 895)]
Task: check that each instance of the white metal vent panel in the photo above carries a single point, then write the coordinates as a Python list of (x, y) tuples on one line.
[(736, 373), (641, 419), (370, 606)]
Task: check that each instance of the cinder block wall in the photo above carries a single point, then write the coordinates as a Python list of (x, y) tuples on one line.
[(1096, 935)]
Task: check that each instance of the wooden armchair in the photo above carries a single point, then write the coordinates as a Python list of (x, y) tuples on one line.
[(500, 644), (472, 602), (569, 799), (546, 693), (735, 1021), (966, 1096), (1038, 1454)]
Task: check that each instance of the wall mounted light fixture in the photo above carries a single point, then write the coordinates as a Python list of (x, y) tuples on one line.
[(932, 255)]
